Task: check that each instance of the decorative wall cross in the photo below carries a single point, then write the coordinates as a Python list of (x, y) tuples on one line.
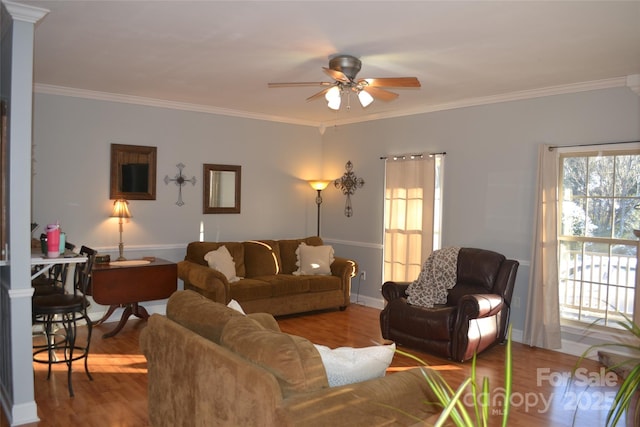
[(180, 180), (348, 185)]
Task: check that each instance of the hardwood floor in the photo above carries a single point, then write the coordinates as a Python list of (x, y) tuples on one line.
[(117, 395)]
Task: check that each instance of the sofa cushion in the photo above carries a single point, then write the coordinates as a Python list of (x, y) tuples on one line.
[(293, 360), (286, 284), (261, 258), (250, 289), (207, 318), (323, 283), (288, 257), (264, 287), (314, 260), (200, 314)]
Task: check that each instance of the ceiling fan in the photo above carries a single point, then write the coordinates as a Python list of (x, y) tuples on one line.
[(343, 70)]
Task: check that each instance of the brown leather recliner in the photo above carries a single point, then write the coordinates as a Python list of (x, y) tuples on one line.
[(474, 318)]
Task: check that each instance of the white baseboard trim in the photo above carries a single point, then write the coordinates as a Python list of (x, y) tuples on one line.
[(569, 347), (159, 307), (367, 301), (516, 334), (22, 413), (576, 349)]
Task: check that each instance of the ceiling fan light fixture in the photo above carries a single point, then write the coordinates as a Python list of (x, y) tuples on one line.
[(343, 70), (334, 104), (334, 98), (364, 98)]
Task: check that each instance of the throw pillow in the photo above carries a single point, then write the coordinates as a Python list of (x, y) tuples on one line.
[(236, 306), (314, 259), (346, 365), (221, 260)]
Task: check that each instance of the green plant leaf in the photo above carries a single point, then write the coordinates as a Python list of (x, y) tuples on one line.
[(508, 378), (631, 384), (474, 387), (453, 405), (485, 401), (623, 397), (451, 402)]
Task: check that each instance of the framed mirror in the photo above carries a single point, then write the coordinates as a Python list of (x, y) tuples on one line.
[(221, 189), (133, 172)]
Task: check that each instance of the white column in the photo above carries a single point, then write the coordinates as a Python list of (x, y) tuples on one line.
[(18, 25)]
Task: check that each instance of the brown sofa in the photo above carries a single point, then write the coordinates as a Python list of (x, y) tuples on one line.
[(474, 318), (209, 365), (268, 284)]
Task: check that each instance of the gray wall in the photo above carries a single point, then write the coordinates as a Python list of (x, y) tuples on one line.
[(71, 158), (488, 191), (489, 173), (72, 139)]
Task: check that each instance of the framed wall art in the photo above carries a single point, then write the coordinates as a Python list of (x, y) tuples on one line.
[(133, 172)]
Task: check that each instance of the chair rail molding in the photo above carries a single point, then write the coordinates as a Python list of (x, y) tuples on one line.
[(353, 243)]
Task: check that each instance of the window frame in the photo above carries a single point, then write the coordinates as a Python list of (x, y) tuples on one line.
[(431, 207), (594, 151)]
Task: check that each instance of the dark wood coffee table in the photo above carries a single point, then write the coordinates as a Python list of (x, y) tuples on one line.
[(128, 283)]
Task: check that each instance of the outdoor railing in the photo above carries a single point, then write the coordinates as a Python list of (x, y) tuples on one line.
[(596, 285)]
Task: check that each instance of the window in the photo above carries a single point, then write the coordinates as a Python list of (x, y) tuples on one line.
[(412, 214), (599, 207)]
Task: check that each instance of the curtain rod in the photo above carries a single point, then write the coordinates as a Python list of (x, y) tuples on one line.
[(552, 147), (404, 156)]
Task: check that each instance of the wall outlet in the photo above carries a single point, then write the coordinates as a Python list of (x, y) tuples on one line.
[(363, 275), (516, 302)]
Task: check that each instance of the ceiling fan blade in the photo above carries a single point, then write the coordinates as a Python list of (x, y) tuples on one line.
[(394, 82), (382, 94), (336, 75), (318, 95), (296, 84)]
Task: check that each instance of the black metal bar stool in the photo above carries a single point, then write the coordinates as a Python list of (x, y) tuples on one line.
[(59, 315)]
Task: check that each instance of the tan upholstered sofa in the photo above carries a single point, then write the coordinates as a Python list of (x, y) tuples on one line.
[(268, 283), (209, 365)]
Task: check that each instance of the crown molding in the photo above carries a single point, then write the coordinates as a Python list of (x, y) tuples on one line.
[(506, 97), (23, 12), (161, 103), (633, 82)]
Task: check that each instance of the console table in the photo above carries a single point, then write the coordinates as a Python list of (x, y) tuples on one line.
[(127, 283)]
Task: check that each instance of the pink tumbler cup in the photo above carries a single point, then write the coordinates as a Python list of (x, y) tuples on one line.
[(53, 240)]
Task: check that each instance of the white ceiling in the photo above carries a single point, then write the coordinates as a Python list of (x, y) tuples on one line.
[(218, 56)]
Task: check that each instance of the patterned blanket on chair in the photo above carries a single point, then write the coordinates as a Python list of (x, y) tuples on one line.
[(438, 275)]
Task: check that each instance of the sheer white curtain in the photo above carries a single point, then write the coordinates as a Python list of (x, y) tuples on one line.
[(542, 323), (408, 215)]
